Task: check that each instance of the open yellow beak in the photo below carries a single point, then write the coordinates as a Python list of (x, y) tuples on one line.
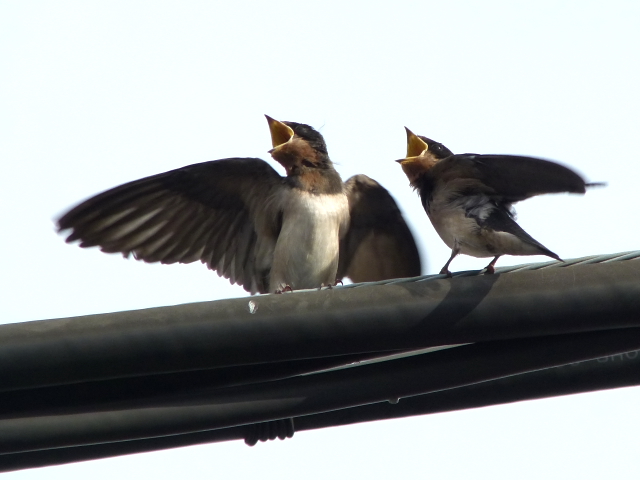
[(280, 133), (415, 145)]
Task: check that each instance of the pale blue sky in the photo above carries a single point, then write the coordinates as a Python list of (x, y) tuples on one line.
[(94, 94)]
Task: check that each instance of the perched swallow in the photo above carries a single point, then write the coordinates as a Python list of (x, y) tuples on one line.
[(469, 197), (256, 228)]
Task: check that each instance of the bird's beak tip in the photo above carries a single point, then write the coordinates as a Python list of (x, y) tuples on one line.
[(280, 132)]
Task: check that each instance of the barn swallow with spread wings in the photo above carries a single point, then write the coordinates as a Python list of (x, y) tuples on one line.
[(469, 197), (260, 230)]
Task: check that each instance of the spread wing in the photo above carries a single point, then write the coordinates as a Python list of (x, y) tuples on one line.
[(379, 244), (515, 178), (224, 213)]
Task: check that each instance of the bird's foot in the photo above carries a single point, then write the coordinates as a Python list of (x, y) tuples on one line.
[(490, 270), (445, 271), (331, 285), (286, 288)]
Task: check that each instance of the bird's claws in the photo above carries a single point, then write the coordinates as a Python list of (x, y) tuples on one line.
[(490, 269), (286, 288), (330, 286), (445, 271)]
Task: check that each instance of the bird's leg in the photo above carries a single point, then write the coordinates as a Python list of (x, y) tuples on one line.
[(454, 252), (286, 288), (331, 285), (490, 269)]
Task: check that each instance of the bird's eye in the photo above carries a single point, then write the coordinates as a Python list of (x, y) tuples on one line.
[(307, 163), (438, 150)]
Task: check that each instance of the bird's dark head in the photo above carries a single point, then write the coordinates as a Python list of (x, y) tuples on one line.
[(296, 145), (422, 154)]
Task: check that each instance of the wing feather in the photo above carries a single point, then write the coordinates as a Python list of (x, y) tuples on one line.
[(222, 213), (501, 220), (379, 244), (512, 178)]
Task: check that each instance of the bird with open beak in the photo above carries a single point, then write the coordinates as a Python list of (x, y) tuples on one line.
[(469, 197), (263, 231)]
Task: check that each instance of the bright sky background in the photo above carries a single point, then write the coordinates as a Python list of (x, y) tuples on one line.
[(95, 94)]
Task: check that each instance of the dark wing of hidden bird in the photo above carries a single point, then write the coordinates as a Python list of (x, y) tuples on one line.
[(259, 229), (469, 197), (379, 244)]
